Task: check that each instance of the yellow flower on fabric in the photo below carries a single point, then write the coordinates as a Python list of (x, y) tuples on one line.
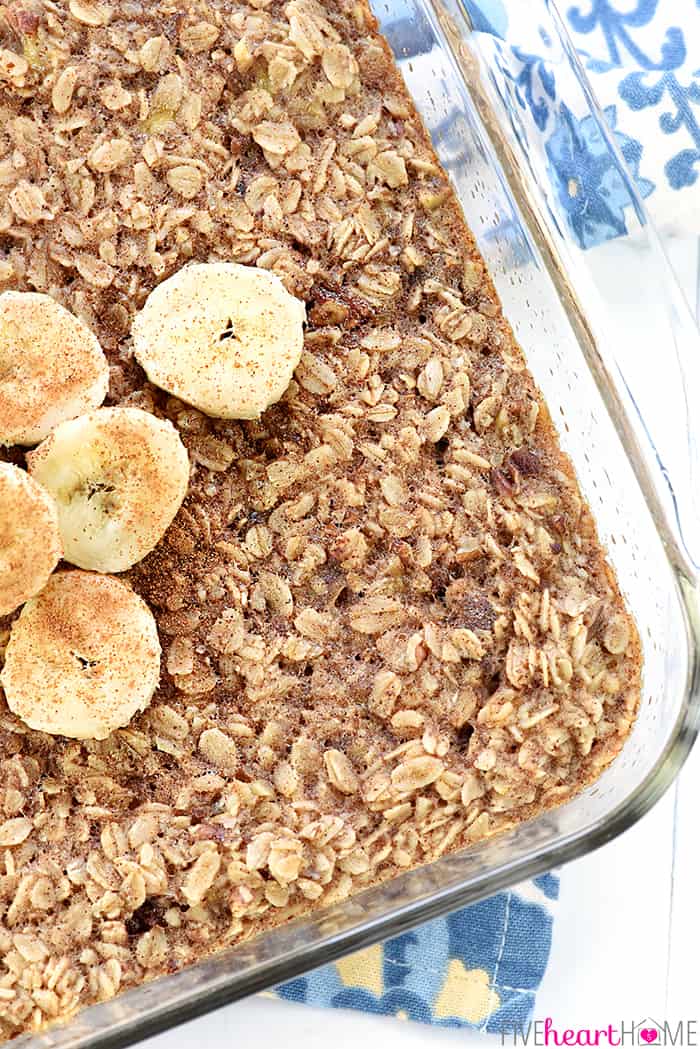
[(364, 969), (466, 994)]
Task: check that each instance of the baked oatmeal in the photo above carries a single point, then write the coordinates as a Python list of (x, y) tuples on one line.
[(388, 627)]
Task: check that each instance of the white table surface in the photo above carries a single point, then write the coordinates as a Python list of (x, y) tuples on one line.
[(626, 939)]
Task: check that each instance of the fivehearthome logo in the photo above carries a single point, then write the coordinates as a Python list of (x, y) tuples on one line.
[(647, 1034)]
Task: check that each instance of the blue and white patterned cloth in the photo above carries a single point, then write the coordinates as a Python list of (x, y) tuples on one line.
[(481, 967), (643, 59)]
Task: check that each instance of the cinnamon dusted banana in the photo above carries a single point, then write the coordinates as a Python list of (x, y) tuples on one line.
[(118, 476), (30, 542), (225, 338), (83, 657), (52, 367)]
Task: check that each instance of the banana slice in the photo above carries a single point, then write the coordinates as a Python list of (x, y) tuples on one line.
[(52, 367), (118, 476), (30, 542), (223, 337), (83, 657)]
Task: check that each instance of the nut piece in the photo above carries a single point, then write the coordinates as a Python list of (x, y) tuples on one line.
[(152, 948), (389, 167)]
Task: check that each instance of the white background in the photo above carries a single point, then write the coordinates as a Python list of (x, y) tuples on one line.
[(626, 938)]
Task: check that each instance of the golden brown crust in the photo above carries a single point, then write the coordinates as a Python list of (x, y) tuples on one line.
[(389, 627)]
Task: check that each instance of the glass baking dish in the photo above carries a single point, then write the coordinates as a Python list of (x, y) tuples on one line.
[(613, 346)]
